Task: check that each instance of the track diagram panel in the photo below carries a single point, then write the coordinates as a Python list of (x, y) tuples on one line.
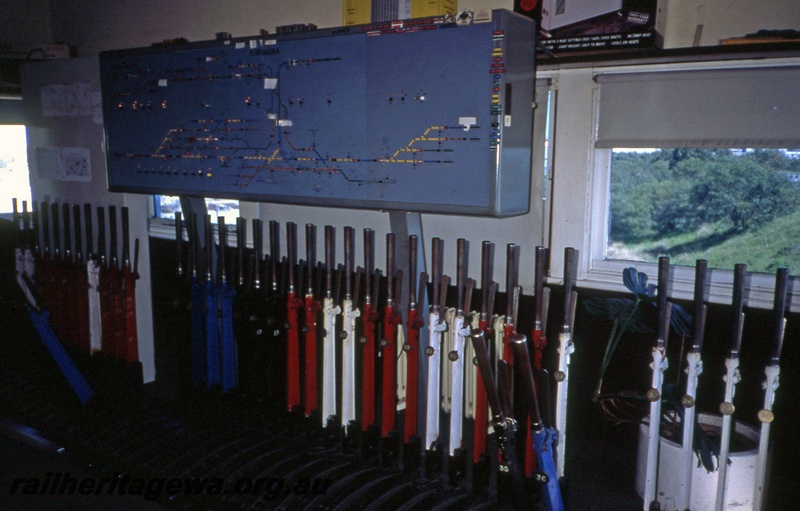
[(420, 115)]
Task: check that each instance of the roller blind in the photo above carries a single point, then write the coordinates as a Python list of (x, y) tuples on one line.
[(709, 108)]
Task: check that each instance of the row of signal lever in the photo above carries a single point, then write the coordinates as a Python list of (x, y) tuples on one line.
[(90, 294), (428, 381), (420, 384)]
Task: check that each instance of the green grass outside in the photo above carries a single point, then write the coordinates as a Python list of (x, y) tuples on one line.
[(764, 249)]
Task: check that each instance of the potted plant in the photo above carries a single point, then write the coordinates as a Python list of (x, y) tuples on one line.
[(632, 315)]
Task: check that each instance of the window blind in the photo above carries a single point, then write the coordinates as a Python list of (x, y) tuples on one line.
[(734, 108)]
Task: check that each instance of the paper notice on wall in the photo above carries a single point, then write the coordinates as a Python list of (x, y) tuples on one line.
[(59, 100), (48, 162), (80, 97), (53, 104), (97, 108), (64, 163), (75, 162)]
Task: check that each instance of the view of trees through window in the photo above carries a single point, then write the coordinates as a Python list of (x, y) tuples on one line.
[(725, 205)]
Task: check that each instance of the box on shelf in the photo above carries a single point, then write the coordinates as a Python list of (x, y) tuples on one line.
[(684, 23), (592, 25), (37, 51), (359, 12), (426, 8), (356, 12)]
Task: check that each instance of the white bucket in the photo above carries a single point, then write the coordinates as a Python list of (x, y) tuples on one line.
[(741, 471)]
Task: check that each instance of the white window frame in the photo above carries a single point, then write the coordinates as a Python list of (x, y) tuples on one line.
[(582, 171)]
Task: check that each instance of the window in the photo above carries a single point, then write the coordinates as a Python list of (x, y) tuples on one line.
[(725, 205), (719, 106), (703, 196), (14, 179), (165, 207)]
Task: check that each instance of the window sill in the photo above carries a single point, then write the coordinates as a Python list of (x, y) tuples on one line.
[(606, 275)]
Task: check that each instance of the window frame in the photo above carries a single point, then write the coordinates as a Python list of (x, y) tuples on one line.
[(578, 166)]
